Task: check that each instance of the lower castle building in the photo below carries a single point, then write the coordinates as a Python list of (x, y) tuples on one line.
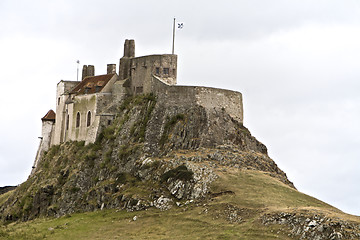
[(84, 108)]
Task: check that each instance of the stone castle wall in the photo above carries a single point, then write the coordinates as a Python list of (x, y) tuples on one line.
[(82, 105), (209, 98)]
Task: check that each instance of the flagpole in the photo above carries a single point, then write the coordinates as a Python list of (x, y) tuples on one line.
[(173, 43)]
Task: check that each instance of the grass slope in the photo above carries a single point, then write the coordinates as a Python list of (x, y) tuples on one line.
[(223, 216)]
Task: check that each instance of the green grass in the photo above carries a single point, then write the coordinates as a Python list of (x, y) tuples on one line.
[(5, 196), (254, 189), (151, 224), (254, 193)]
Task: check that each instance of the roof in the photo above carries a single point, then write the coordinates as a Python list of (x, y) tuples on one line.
[(50, 116), (92, 84)]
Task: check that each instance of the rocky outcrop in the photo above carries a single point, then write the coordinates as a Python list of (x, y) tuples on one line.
[(151, 156), (314, 226)]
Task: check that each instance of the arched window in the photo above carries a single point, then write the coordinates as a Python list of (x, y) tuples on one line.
[(88, 122), (78, 120)]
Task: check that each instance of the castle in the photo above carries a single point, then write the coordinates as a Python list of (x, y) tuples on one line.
[(84, 108)]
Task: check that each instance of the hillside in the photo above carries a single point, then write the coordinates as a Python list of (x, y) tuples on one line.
[(166, 173)]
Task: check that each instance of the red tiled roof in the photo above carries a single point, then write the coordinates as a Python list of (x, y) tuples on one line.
[(50, 116), (92, 84)]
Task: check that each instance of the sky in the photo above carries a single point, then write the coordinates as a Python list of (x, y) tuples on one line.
[(297, 64)]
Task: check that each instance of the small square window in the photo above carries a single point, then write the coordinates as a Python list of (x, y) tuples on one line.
[(109, 122), (166, 71)]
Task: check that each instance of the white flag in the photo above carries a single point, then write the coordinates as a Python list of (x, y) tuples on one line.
[(180, 25)]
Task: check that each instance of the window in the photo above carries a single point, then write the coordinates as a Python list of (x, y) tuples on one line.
[(109, 122), (88, 120), (78, 120), (157, 71), (58, 101), (166, 71)]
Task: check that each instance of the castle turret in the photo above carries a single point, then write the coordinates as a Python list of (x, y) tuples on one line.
[(48, 125)]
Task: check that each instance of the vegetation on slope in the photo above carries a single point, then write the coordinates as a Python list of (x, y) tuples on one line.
[(235, 215)]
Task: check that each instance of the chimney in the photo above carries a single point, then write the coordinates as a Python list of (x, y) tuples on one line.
[(125, 61), (84, 72), (111, 68), (88, 71), (129, 48)]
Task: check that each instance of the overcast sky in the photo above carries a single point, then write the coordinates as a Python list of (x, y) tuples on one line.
[(297, 64)]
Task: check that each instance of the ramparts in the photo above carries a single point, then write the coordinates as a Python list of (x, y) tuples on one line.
[(207, 97)]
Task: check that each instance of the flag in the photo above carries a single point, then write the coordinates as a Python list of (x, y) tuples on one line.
[(180, 25)]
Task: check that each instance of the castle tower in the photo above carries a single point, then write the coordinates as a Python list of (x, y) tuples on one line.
[(125, 61)]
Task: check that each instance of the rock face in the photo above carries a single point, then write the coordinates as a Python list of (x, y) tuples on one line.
[(151, 155), (314, 226)]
